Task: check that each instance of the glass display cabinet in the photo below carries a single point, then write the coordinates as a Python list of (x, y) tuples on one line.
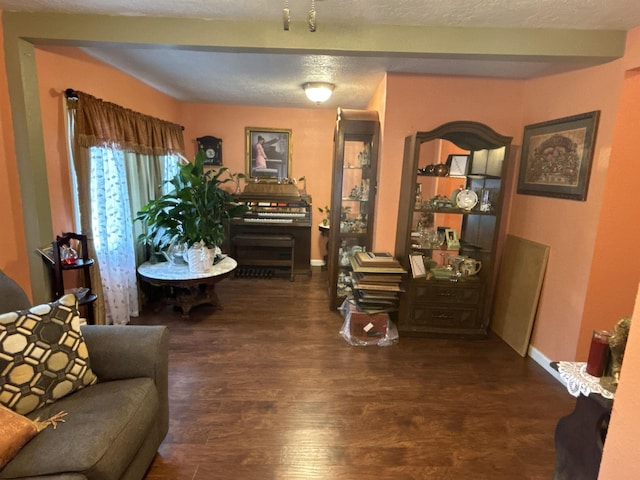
[(355, 163), (448, 227)]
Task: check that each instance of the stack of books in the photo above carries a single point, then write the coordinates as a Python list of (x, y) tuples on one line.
[(376, 281)]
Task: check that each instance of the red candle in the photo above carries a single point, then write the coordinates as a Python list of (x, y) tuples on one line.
[(598, 353)]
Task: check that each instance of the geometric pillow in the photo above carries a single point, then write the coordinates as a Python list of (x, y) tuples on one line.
[(43, 356)]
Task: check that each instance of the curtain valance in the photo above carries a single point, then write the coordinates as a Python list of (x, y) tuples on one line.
[(100, 123)]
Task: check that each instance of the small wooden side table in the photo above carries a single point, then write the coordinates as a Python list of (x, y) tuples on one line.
[(580, 436), (187, 289)]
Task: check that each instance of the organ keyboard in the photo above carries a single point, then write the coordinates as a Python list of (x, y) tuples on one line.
[(274, 210), (268, 220)]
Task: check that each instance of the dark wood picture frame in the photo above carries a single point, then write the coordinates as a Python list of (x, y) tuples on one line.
[(557, 156), (277, 145)]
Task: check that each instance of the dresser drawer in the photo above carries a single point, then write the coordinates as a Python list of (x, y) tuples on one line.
[(446, 317), (448, 293)]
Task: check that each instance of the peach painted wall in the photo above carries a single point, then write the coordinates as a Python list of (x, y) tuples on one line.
[(60, 68), (569, 227), (378, 102), (615, 271), (12, 241), (620, 460), (312, 145)]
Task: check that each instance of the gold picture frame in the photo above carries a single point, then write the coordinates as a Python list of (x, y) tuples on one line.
[(268, 153)]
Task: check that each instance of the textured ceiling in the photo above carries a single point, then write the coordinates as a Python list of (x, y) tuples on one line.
[(248, 76), (582, 14)]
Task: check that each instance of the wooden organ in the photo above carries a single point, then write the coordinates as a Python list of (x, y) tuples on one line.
[(275, 231)]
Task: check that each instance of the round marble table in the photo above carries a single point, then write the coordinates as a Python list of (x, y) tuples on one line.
[(187, 289)]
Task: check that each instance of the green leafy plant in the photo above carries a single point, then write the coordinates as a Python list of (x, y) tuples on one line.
[(236, 178), (303, 191), (193, 212), (327, 212)]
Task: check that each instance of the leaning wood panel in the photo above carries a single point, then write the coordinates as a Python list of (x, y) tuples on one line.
[(519, 283)]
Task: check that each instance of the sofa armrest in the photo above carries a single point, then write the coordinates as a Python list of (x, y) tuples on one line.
[(128, 351)]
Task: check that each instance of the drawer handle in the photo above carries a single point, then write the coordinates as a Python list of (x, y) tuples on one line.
[(442, 316)]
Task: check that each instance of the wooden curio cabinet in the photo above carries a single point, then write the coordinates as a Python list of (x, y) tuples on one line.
[(355, 161), (449, 217)]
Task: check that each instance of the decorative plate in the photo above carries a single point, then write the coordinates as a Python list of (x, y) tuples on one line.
[(466, 199)]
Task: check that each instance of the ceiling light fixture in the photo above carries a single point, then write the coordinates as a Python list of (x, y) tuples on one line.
[(318, 92)]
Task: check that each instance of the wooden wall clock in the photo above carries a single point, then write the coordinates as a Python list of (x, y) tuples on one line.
[(212, 147)]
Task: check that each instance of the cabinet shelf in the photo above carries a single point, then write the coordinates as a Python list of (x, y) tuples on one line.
[(353, 235), (351, 199), (445, 281), (87, 299), (467, 176), (459, 211), (79, 263)]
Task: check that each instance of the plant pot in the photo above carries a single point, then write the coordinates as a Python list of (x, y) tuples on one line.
[(156, 256), (200, 258)]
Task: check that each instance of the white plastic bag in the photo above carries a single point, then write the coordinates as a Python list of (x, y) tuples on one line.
[(363, 329)]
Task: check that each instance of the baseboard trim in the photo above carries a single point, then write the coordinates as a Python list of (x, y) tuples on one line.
[(538, 357), (317, 263)]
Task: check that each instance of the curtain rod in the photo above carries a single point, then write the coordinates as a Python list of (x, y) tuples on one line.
[(71, 93)]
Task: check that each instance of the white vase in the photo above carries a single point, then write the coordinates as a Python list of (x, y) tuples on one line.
[(200, 258)]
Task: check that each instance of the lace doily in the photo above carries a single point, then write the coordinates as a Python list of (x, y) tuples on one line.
[(578, 381)]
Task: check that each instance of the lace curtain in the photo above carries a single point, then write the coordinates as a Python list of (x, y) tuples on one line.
[(114, 244), (120, 159)]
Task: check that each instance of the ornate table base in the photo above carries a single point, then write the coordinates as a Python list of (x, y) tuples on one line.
[(185, 289)]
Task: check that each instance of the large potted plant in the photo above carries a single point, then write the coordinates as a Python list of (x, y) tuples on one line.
[(192, 213)]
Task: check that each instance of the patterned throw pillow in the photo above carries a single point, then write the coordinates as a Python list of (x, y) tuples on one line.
[(43, 356)]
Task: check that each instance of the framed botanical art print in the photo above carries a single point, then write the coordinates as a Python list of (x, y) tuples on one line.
[(557, 155), (268, 153)]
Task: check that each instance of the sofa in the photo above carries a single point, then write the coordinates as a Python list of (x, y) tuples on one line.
[(114, 426)]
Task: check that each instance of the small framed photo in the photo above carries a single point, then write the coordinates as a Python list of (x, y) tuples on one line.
[(268, 153), (453, 243), (417, 266), (458, 165)]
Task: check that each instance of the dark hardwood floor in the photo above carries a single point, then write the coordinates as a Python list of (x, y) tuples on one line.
[(267, 389)]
